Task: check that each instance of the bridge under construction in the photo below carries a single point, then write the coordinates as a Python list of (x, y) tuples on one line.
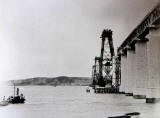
[(135, 69)]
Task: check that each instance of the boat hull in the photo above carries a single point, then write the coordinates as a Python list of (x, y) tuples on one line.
[(16, 100)]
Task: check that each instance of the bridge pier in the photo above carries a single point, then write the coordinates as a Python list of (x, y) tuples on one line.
[(141, 73), (132, 69), (153, 86), (127, 92), (130, 74), (123, 72)]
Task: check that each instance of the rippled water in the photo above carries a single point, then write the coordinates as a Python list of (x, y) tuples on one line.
[(73, 102)]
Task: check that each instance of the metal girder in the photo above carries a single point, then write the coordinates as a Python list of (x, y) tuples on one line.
[(143, 27)]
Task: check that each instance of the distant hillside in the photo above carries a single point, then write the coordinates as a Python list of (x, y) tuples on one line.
[(62, 80)]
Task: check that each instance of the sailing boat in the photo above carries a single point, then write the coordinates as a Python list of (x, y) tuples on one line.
[(16, 98)]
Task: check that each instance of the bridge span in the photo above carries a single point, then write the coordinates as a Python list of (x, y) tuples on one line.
[(140, 59)]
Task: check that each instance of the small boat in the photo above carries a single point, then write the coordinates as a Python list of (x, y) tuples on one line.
[(88, 90), (16, 98), (4, 102), (124, 116), (133, 114)]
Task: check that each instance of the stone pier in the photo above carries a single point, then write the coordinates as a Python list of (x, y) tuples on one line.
[(153, 53), (141, 73), (123, 72), (130, 74)]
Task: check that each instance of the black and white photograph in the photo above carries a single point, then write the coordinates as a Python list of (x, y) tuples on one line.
[(79, 58)]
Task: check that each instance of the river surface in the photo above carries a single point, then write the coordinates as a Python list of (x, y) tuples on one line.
[(73, 102)]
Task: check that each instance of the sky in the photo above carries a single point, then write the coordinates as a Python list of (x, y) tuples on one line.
[(49, 38)]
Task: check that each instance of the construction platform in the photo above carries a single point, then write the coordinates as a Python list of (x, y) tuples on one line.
[(106, 90)]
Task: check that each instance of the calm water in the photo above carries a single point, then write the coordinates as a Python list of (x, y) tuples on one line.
[(73, 102)]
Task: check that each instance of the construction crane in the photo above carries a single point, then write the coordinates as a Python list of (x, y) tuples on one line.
[(103, 77), (106, 57)]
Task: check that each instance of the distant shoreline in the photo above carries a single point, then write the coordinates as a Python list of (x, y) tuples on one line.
[(55, 81)]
